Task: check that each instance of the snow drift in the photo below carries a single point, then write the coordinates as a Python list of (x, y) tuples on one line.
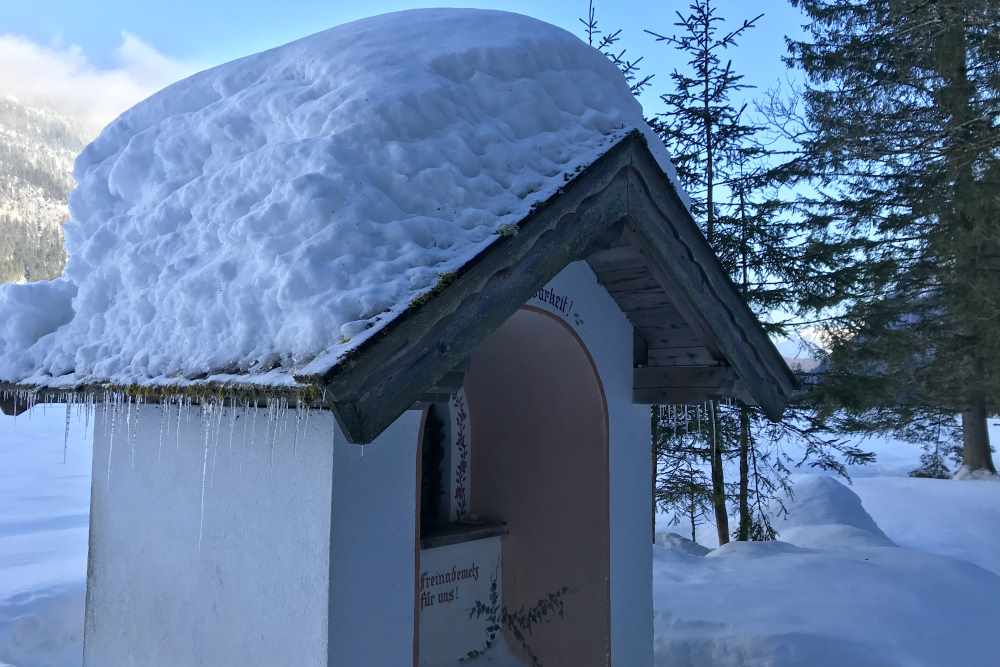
[(279, 209), (836, 593)]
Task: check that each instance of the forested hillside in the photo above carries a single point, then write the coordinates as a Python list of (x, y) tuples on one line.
[(37, 149)]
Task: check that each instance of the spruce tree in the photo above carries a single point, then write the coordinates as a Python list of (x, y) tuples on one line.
[(726, 167), (607, 44), (899, 148), (707, 135)]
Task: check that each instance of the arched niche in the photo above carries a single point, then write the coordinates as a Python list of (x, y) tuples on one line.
[(540, 464)]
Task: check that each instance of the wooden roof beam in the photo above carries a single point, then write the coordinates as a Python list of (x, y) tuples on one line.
[(684, 384)]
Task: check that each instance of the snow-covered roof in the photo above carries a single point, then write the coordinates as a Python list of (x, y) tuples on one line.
[(260, 220)]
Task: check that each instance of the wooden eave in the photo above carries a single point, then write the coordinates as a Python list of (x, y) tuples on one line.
[(696, 338)]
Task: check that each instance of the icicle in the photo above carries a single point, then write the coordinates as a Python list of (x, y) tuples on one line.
[(180, 410), (715, 443), (66, 432), (163, 419), (111, 398), (86, 413), (272, 416), (218, 428), (128, 417), (284, 409), (129, 434), (233, 411), (253, 425), (298, 426), (204, 471)]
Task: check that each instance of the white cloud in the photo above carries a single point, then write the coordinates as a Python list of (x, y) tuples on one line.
[(64, 79)]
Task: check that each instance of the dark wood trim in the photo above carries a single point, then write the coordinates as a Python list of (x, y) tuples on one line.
[(457, 533), (697, 382)]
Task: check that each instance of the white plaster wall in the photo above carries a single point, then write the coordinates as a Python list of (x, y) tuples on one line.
[(373, 567), (253, 590), (607, 334)]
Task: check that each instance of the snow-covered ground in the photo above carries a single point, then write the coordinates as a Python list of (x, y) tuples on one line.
[(891, 571), (44, 508), (837, 590)]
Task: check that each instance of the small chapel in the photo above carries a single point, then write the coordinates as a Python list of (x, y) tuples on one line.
[(370, 325)]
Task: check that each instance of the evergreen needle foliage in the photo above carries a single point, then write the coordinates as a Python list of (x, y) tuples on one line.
[(898, 170)]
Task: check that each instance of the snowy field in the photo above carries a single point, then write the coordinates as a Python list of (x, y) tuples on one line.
[(892, 571), (44, 508)]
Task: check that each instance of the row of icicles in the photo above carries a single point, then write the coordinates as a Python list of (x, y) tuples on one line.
[(679, 418), (219, 419)]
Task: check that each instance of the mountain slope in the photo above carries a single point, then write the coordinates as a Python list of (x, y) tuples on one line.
[(37, 149)]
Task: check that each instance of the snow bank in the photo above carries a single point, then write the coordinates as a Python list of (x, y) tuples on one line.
[(281, 208), (855, 601), (948, 517), (827, 514)]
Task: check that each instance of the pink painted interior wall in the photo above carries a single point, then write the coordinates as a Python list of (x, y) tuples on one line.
[(540, 463)]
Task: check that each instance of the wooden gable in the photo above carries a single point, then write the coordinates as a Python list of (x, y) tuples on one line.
[(695, 337)]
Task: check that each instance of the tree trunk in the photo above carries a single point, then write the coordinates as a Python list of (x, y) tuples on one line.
[(744, 529), (957, 99), (976, 440), (694, 521), (718, 479)]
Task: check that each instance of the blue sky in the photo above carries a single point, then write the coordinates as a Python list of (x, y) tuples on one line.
[(208, 32)]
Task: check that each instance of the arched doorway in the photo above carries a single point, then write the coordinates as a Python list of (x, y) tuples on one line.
[(540, 463)]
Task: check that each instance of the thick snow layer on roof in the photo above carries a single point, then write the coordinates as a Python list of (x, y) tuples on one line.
[(279, 209)]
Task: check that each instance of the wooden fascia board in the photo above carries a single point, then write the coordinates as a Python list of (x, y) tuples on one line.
[(719, 378), (686, 384), (682, 261), (371, 389)]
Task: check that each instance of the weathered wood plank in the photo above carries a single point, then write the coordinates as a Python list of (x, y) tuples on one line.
[(692, 355), (615, 259), (611, 276), (646, 299), (643, 281), (683, 384), (674, 395), (640, 350), (718, 378), (677, 334), (657, 316)]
